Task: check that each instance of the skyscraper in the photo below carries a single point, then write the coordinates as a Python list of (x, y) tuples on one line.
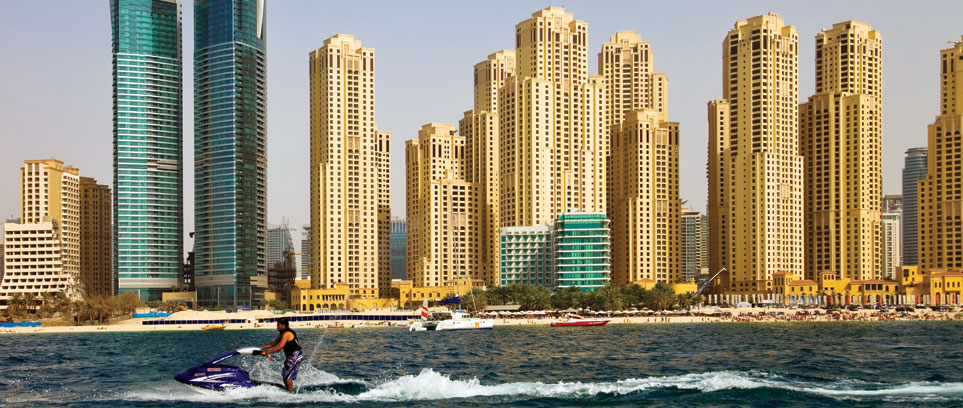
[(43, 252), (399, 249), (642, 166), (350, 213), (755, 170), (442, 212), (552, 118), (627, 63), (940, 196), (841, 138), (50, 189), (480, 127), (892, 203), (694, 248), (914, 170), (645, 205), (279, 241), (891, 246), (305, 252), (148, 219), (230, 151), (96, 260)]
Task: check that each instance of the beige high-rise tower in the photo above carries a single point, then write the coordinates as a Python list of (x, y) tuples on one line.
[(96, 261), (645, 204), (42, 253), (840, 138), (755, 171), (480, 128), (349, 209), (443, 232), (940, 193), (627, 63), (552, 116), (50, 189), (642, 182)]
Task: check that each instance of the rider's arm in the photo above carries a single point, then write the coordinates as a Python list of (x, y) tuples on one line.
[(284, 338), (271, 344)]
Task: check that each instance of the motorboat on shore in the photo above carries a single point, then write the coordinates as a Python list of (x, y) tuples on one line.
[(576, 320), (447, 320)]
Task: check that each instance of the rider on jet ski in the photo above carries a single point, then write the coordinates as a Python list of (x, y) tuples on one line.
[(288, 341)]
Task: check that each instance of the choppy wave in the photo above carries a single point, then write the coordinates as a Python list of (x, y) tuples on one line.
[(429, 385)]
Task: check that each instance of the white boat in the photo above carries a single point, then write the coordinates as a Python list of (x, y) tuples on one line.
[(446, 320)]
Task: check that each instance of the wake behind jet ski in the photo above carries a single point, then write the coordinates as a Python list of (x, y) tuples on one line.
[(222, 377)]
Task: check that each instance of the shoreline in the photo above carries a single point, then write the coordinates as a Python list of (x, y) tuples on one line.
[(739, 316)]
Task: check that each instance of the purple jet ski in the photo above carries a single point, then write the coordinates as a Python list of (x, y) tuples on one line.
[(222, 377)]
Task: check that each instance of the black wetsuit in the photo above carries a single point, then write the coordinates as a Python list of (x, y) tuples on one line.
[(292, 356), (291, 346)]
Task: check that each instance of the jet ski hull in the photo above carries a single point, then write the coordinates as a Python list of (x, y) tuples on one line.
[(221, 377)]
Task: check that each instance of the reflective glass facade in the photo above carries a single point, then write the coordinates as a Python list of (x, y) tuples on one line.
[(148, 168), (914, 170), (582, 248), (230, 152)]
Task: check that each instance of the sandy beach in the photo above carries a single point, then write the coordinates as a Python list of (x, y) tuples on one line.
[(724, 315)]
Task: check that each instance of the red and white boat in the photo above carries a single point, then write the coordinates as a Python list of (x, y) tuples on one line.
[(576, 320)]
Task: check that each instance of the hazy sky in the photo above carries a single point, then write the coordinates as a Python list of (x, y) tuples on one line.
[(55, 75)]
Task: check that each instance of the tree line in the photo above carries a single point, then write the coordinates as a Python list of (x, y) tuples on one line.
[(87, 310), (612, 296)]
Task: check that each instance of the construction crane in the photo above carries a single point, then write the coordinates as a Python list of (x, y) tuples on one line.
[(706, 284)]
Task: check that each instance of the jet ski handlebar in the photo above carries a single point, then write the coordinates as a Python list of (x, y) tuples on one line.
[(247, 351)]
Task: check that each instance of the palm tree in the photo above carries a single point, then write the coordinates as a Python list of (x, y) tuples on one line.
[(614, 296), (16, 306), (635, 295), (682, 300), (61, 303), (81, 310), (497, 295), (566, 298), (30, 302), (475, 300), (128, 302), (537, 298), (46, 305), (661, 297)]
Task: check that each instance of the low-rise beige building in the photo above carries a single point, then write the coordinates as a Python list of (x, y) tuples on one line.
[(33, 261)]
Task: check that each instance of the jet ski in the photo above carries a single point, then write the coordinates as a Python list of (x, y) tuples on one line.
[(222, 377)]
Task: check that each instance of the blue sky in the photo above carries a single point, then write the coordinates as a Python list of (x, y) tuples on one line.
[(55, 77)]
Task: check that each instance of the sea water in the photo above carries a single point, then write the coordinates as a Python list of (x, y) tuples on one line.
[(781, 364)]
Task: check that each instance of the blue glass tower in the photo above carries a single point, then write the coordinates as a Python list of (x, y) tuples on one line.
[(148, 170), (582, 248), (914, 170), (230, 152)]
